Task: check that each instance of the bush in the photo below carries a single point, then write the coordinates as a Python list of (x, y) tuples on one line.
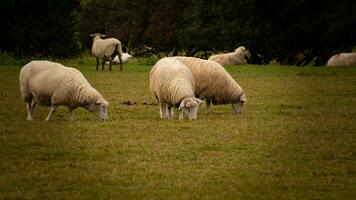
[(147, 60), (9, 59)]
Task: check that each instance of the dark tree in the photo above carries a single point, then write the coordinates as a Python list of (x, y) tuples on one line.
[(38, 27)]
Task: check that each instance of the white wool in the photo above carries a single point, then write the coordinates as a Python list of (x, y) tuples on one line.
[(342, 59), (50, 83), (125, 58), (233, 58), (212, 81), (171, 81), (105, 49), (173, 85)]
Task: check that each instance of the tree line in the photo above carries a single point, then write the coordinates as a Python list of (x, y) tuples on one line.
[(289, 31)]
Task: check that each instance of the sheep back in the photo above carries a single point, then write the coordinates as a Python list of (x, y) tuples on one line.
[(212, 81), (104, 48), (171, 81), (342, 59), (50, 82), (233, 58)]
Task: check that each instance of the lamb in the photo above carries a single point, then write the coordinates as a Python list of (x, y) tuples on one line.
[(214, 83), (52, 84), (172, 84), (237, 57), (125, 58), (106, 49), (342, 59)]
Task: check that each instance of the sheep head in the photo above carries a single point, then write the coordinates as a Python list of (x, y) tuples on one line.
[(237, 107), (243, 51), (190, 107), (100, 108)]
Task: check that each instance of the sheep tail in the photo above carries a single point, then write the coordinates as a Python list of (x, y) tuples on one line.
[(118, 51)]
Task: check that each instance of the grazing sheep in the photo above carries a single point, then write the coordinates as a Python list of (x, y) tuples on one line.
[(52, 84), (342, 59), (233, 58), (125, 58), (106, 49), (172, 84), (214, 83)]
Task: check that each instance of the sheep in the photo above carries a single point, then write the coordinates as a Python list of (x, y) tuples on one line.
[(52, 84), (125, 58), (342, 59), (233, 58), (172, 83), (214, 83), (106, 49)]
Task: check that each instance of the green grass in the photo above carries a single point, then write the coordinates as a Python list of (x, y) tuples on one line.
[(294, 140)]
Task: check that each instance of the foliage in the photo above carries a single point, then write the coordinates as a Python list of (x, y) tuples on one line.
[(40, 27), (291, 32)]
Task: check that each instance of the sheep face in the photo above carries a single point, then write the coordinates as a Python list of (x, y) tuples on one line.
[(237, 107), (190, 107), (247, 55), (100, 108)]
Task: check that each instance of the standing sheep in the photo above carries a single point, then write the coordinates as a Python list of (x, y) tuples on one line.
[(52, 84), (342, 59), (214, 83), (106, 49), (237, 57), (172, 84)]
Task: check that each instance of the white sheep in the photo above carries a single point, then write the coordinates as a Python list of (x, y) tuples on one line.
[(214, 83), (52, 84), (125, 58), (237, 57), (173, 85), (106, 49), (342, 59)]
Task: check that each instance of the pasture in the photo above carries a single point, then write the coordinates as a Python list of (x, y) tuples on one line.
[(295, 140)]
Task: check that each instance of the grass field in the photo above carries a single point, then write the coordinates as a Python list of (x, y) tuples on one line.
[(295, 140)]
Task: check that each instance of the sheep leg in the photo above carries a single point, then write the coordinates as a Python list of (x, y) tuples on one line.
[(71, 116), (110, 63), (51, 111), (120, 59), (208, 103), (28, 108), (172, 112), (181, 116), (97, 64), (162, 110), (169, 112), (33, 105), (102, 68)]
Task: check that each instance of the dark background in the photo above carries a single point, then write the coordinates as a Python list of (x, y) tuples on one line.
[(289, 31)]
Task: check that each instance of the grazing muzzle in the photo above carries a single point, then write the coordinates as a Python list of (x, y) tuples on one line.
[(102, 109), (237, 107), (190, 107)]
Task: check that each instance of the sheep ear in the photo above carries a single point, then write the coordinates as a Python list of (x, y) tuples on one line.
[(182, 105), (91, 35), (243, 98), (199, 101), (103, 36), (99, 101)]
